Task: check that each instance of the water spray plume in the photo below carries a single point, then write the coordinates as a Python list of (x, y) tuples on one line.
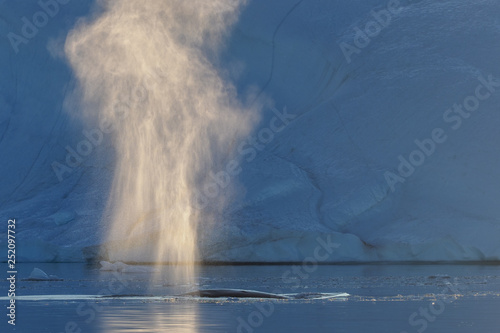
[(142, 66)]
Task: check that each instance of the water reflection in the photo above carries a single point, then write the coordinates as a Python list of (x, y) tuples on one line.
[(383, 299), (179, 317)]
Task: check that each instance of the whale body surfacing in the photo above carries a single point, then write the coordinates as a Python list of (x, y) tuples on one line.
[(240, 293)]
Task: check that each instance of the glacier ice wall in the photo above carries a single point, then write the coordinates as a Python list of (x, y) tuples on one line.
[(381, 144)]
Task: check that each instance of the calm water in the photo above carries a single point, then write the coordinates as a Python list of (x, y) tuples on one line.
[(384, 298)]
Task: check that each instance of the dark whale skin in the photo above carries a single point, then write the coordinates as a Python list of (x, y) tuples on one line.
[(240, 293)]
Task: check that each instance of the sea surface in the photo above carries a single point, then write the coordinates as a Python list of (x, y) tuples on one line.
[(382, 298)]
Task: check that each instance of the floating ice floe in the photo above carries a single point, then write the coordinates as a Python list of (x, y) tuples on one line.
[(38, 275), (121, 267)]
